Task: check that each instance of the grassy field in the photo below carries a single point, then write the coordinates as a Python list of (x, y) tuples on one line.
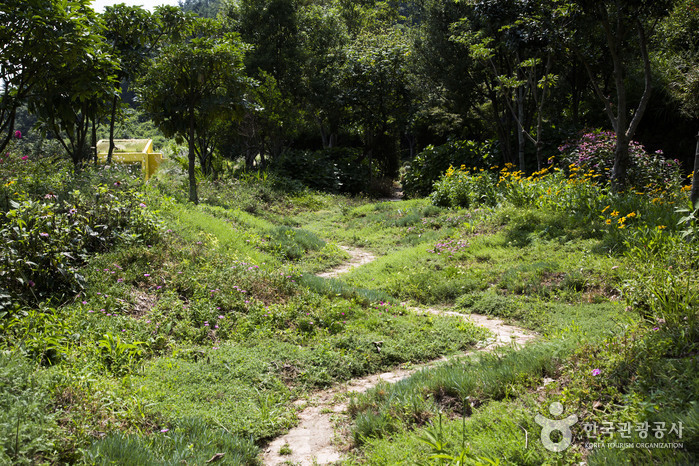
[(197, 338)]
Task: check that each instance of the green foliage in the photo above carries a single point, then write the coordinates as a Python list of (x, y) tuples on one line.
[(189, 440), (194, 85), (459, 188), (594, 152), (44, 243), (457, 386), (28, 423), (430, 164), (118, 355), (331, 170)]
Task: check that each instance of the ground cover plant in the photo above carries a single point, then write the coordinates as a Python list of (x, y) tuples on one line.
[(346, 184), (604, 276), (211, 294)]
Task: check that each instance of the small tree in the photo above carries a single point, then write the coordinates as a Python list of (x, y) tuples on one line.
[(77, 84), (194, 83), (37, 39), (626, 26)]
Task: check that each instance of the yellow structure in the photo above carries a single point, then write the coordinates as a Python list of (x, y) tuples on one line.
[(132, 151)]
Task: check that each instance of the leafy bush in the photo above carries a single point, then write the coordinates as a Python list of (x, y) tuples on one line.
[(432, 162), (333, 170), (594, 151), (44, 243), (460, 188)]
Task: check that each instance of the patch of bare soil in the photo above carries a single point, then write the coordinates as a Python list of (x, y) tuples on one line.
[(314, 440)]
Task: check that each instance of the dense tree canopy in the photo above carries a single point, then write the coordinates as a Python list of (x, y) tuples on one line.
[(384, 78)]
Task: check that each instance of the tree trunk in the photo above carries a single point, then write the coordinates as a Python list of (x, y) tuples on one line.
[(621, 162), (94, 138), (520, 128), (192, 162), (694, 193), (111, 129)]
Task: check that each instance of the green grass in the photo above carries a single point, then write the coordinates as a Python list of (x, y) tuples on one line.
[(215, 327)]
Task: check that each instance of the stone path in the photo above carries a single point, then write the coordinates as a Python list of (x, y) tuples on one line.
[(314, 440)]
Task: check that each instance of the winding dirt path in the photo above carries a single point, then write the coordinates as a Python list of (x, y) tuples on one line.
[(358, 257), (314, 440)]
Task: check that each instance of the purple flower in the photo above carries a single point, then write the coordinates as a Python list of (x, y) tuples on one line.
[(141, 204), (596, 372), (164, 430), (18, 134), (44, 234)]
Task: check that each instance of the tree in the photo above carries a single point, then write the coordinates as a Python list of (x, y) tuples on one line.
[(678, 54), (36, 39), (192, 85), (626, 27), (127, 30), (75, 90), (373, 79)]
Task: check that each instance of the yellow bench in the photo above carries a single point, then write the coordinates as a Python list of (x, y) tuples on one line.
[(132, 151)]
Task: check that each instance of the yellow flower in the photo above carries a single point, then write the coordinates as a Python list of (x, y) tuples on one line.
[(621, 220), (686, 188), (615, 213), (605, 209), (632, 214), (608, 222), (661, 227)]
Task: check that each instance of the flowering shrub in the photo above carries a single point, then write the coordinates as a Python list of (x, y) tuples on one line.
[(429, 165), (48, 227), (594, 151), (463, 188), (44, 243)]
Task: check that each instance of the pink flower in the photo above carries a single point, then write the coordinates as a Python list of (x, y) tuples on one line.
[(18, 134), (596, 372), (25, 157)]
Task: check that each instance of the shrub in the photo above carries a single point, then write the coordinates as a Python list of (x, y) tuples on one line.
[(44, 243), (461, 188), (333, 170), (594, 151), (432, 162)]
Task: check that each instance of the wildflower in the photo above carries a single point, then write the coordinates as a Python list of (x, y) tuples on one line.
[(18, 134), (661, 227), (146, 275), (164, 430), (614, 213), (608, 222), (25, 157), (44, 234), (596, 372), (31, 283)]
